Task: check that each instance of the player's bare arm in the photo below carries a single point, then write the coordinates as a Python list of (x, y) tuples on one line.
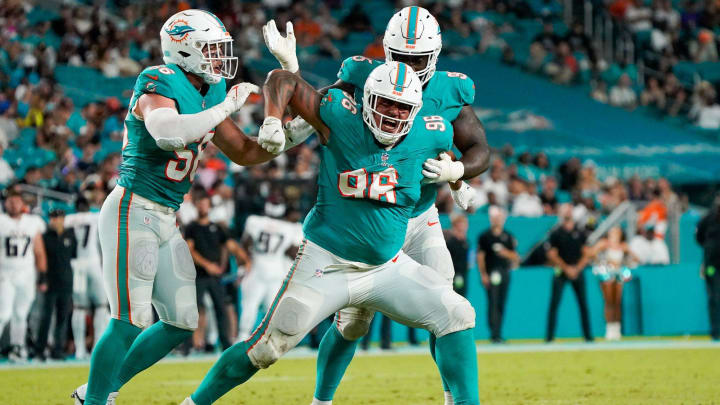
[(469, 137), (283, 89), (242, 150), (241, 255)]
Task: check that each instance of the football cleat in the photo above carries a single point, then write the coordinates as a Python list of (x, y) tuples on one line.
[(80, 392)]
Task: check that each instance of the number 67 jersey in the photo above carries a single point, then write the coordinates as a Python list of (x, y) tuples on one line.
[(17, 238), (163, 176), (366, 193)]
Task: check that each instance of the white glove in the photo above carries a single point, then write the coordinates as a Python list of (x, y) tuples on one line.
[(442, 169), (283, 48), (236, 96), (464, 196), (296, 132), (272, 136)]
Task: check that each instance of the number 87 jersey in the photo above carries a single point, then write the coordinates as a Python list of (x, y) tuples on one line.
[(366, 192), (163, 176)]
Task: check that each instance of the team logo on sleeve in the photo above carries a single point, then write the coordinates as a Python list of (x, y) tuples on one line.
[(179, 30)]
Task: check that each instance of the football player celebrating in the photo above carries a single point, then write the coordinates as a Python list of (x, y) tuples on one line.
[(413, 37), (174, 112), (369, 183)]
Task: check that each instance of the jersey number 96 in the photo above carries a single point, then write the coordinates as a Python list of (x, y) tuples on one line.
[(381, 187)]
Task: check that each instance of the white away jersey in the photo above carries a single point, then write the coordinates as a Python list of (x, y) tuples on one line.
[(85, 225), (271, 238), (17, 240)]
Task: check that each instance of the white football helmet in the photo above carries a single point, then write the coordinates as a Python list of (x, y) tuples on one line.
[(196, 40), (413, 31), (397, 82)]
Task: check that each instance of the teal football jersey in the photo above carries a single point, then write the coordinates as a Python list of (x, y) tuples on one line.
[(163, 176), (444, 94), (366, 194)]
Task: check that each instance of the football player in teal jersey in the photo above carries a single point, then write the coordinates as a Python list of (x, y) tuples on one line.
[(174, 112), (369, 183), (413, 37)]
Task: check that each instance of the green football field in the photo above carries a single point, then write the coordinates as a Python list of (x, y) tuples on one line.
[(626, 373)]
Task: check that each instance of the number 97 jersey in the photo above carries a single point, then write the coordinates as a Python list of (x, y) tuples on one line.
[(271, 238), (17, 237), (162, 176)]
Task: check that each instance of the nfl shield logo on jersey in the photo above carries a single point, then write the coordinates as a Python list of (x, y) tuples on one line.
[(319, 273), (385, 158)]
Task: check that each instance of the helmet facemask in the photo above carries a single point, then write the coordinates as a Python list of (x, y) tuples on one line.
[(387, 129), (220, 53), (424, 74)]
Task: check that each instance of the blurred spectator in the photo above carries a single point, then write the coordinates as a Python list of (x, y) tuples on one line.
[(537, 59), (496, 184), (569, 254), (622, 94), (653, 95), (564, 67), (599, 92), (704, 49), (648, 248), (547, 38), (638, 16), (457, 244), (706, 110), (654, 214), (209, 245), (525, 202), (496, 256), (708, 237), (61, 248), (675, 94), (569, 174), (548, 196), (375, 49)]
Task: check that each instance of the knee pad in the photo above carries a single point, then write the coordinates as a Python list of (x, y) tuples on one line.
[(461, 314), (285, 329)]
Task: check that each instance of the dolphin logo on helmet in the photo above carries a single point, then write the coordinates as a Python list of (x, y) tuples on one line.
[(198, 42)]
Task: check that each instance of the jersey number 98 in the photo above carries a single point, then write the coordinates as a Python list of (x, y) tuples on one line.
[(354, 184)]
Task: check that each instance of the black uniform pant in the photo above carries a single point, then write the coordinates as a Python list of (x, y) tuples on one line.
[(214, 287), (61, 301), (713, 291), (557, 288), (497, 297)]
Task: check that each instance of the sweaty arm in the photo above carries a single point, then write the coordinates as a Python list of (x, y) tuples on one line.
[(283, 89), (469, 138), (172, 130), (40, 255)]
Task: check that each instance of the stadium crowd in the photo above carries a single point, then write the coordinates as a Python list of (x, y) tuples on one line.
[(50, 144)]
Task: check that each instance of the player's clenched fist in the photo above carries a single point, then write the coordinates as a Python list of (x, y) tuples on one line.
[(272, 136), (283, 48), (237, 95)]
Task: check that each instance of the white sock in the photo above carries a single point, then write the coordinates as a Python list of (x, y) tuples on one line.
[(100, 322), (319, 402), (449, 398), (78, 328)]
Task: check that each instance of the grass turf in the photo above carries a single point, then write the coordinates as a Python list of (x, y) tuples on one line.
[(653, 376)]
